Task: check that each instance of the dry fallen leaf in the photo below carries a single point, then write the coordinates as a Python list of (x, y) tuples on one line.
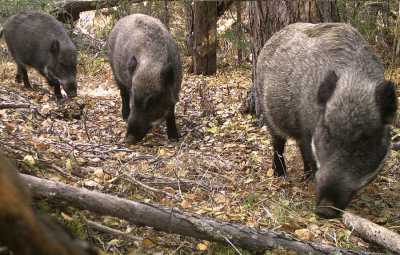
[(147, 243), (304, 234), (29, 160), (202, 246)]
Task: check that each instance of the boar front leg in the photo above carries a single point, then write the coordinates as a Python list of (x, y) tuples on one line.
[(125, 102), (52, 81), (278, 164), (22, 75), (56, 87), (310, 166), (172, 131)]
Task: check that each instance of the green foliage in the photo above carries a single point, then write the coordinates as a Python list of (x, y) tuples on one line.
[(250, 200), (77, 227), (10, 7), (375, 20), (91, 64), (219, 249)]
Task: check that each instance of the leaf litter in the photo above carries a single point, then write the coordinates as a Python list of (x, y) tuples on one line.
[(221, 166)]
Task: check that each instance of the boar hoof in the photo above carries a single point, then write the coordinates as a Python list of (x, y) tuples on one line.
[(18, 79), (130, 139), (174, 137)]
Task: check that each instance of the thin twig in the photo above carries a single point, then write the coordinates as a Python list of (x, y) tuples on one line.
[(13, 106), (101, 228), (132, 179), (233, 246)]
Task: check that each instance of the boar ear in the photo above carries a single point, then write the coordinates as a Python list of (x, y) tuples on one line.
[(167, 75), (132, 65), (327, 87), (55, 47), (386, 99)]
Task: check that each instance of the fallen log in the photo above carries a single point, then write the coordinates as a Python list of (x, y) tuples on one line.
[(373, 232), (13, 106), (172, 220), (68, 11)]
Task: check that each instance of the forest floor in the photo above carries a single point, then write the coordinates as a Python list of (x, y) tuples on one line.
[(222, 161)]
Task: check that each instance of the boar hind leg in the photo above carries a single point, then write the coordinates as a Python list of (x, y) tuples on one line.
[(172, 131), (310, 166), (278, 163), (125, 102), (22, 76)]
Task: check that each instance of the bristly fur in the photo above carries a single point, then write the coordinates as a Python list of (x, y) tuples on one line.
[(321, 82), (22, 230), (30, 36), (147, 68)]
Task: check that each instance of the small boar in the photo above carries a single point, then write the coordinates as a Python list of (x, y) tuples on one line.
[(40, 41), (322, 85), (22, 230), (148, 71)]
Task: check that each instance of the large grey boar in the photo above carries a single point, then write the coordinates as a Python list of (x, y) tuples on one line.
[(321, 85), (148, 71), (38, 40)]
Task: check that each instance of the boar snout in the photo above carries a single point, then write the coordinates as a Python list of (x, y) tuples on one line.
[(326, 209), (137, 130), (70, 88), (334, 193)]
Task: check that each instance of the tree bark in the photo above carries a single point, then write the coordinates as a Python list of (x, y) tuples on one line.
[(205, 37), (172, 220), (67, 11), (239, 31), (188, 5), (268, 17), (373, 232), (221, 7), (166, 14)]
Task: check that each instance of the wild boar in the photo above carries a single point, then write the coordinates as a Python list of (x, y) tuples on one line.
[(22, 230), (148, 71), (322, 85), (38, 40)]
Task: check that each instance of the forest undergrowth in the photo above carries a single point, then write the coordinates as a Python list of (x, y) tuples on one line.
[(220, 167)]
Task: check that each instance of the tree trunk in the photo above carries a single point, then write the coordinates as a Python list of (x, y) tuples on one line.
[(171, 220), (166, 14), (222, 6), (205, 37), (268, 17), (239, 31), (188, 4)]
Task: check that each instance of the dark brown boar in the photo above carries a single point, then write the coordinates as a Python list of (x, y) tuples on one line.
[(322, 85), (38, 40), (148, 71)]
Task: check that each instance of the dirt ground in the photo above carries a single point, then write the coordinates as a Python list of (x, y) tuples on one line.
[(223, 159)]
